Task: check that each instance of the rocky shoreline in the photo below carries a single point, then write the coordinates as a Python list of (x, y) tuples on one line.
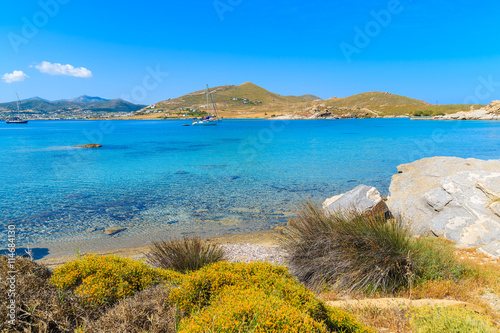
[(454, 198), (330, 115), (489, 112)]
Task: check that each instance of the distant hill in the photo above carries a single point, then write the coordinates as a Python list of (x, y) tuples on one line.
[(36, 98), (311, 97), (251, 101), (82, 103), (244, 96), (373, 98), (84, 99)]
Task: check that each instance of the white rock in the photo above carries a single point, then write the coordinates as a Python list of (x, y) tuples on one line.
[(450, 197), (438, 198), (363, 199), (489, 112)]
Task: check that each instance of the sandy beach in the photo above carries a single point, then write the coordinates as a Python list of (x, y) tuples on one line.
[(240, 247)]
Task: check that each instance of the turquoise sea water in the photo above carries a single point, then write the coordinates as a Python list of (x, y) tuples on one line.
[(160, 178)]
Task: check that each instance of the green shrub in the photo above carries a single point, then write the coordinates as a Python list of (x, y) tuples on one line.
[(105, 279), (207, 295), (425, 113), (186, 254), (436, 319), (361, 251), (435, 259)]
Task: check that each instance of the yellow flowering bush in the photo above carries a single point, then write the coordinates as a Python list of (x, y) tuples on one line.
[(434, 319), (199, 286), (231, 297), (105, 279), (250, 310)]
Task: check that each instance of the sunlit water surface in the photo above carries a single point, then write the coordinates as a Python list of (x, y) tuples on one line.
[(159, 178)]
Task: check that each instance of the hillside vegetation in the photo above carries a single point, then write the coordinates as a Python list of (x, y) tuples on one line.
[(246, 98), (374, 98), (379, 104), (251, 101)]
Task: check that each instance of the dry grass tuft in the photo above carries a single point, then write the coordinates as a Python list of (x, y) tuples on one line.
[(483, 275), (146, 311), (184, 255), (364, 252), (40, 307), (383, 320)]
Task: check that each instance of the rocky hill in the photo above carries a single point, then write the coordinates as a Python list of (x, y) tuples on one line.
[(245, 97), (251, 101), (493, 108)]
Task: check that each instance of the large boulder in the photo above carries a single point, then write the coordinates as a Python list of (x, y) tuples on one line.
[(493, 107), (363, 198), (451, 197)]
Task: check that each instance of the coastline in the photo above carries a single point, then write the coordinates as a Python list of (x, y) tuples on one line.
[(450, 117), (264, 239)]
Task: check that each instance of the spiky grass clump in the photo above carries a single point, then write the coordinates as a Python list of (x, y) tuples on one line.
[(185, 254), (355, 251)]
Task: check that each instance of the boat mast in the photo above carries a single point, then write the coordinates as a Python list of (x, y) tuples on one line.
[(208, 102), (213, 104), (18, 108)]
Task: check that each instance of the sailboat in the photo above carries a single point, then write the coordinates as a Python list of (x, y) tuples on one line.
[(18, 119), (210, 120)]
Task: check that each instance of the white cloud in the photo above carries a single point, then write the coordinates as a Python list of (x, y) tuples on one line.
[(15, 76), (58, 69)]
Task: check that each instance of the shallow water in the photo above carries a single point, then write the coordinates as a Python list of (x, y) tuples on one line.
[(159, 178)]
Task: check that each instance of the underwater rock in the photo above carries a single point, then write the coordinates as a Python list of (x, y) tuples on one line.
[(113, 230), (90, 145)]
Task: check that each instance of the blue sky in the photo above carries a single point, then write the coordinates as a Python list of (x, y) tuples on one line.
[(439, 51)]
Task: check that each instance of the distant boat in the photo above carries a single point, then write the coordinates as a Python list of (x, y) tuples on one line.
[(18, 119), (210, 120)]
